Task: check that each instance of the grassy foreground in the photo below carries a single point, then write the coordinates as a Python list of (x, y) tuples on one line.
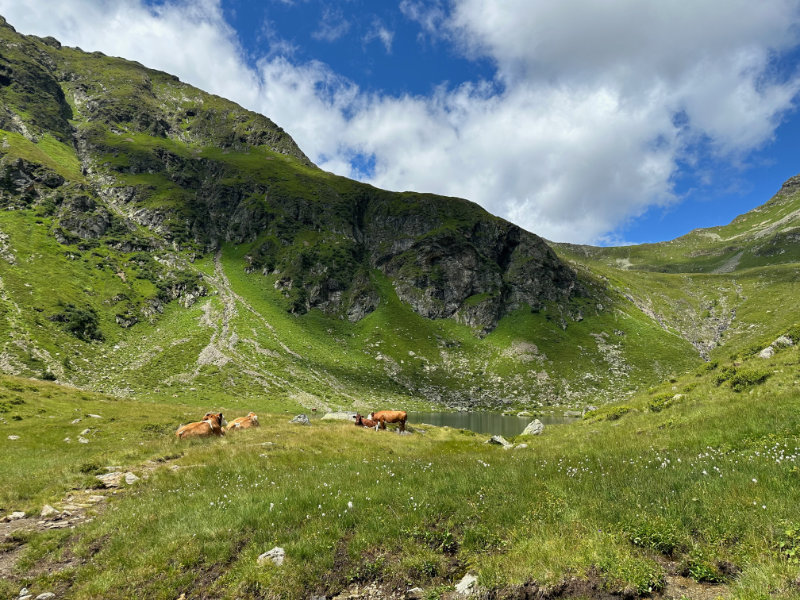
[(699, 477)]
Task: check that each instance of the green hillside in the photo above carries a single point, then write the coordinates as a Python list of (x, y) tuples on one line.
[(720, 288), (686, 491), (163, 243)]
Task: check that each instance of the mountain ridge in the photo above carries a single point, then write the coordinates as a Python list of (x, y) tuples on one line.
[(159, 208)]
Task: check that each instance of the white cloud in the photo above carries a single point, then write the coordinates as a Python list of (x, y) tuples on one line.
[(594, 104), (332, 26), (379, 32)]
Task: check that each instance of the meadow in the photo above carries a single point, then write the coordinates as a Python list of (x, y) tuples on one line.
[(694, 480)]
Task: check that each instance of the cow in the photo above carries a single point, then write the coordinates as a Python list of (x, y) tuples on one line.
[(247, 422), (212, 424), (390, 416), (365, 422)]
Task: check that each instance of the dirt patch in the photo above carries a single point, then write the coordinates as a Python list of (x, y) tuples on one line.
[(682, 587), (592, 586)]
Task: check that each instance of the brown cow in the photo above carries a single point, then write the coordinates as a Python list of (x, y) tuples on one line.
[(365, 422), (212, 424), (247, 422), (390, 416)]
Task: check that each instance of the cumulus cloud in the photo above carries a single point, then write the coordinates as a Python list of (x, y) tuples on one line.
[(593, 106)]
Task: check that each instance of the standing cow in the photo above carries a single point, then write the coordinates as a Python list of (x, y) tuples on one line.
[(390, 416)]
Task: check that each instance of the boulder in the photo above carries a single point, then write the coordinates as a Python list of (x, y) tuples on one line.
[(45, 596), (339, 416), (500, 441), (468, 586), (13, 437), (15, 516), (83, 440), (111, 480), (767, 352), (276, 556), (130, 478), (535, 427), (783, 342), (415, 593), (301, 420), (48, 511)]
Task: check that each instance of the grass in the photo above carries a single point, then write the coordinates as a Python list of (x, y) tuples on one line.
[(708, 482)]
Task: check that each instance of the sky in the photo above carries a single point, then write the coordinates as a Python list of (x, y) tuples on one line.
[(605, 122)]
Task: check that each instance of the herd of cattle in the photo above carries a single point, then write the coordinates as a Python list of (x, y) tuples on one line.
[(215, 423)]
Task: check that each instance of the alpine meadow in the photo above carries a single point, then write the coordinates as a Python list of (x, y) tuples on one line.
[(165, 254)]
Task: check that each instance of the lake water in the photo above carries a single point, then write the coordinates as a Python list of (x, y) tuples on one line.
[(483, 422)]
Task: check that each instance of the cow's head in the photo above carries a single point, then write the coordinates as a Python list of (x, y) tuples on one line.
[(359, 419), (216, 418)]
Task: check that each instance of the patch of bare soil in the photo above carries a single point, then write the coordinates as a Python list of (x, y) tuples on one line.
[(682, 587)]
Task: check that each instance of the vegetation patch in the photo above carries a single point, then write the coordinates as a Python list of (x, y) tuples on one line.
[(82, 322)]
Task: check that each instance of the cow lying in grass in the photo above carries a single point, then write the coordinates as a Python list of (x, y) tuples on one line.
[(247, 422), (212, 424), (365, 422), (390, 416)]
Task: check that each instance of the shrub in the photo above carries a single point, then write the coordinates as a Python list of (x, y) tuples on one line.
[(660, 402), (794, 334), (724, 375), (608, 413), (80, 322), (744, 378)]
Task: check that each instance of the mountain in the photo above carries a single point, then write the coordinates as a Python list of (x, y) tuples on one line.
[(723, 288), (162, 242)]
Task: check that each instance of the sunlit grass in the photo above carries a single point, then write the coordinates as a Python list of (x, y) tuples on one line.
[(708, 483)]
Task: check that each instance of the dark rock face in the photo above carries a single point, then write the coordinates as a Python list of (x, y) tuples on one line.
[(477, 272), (790, 186)]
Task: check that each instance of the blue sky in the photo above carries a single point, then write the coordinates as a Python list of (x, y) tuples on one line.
[(605, 122)]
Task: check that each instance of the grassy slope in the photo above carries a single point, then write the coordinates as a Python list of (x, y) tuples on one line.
[(448, 359), (723, 288), (551, 357), (705, 481)]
